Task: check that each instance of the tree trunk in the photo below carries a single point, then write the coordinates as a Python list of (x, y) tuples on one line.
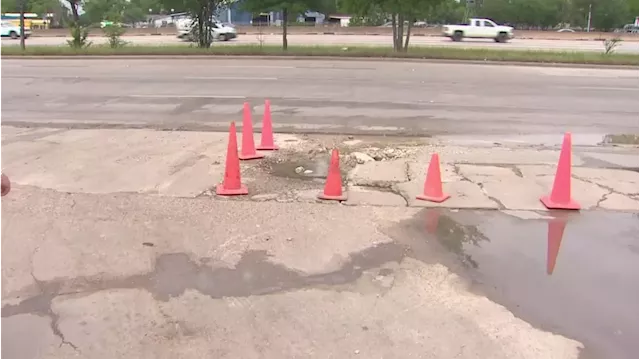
[(406, 39), (74, 10), (204, 24), (285, 20), (400, 32), (22, 6), (394, 28)]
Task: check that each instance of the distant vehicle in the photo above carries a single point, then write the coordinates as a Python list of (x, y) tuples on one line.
[(13, 31), (390, 23), (630, 28), (219, 31), (478, 29)]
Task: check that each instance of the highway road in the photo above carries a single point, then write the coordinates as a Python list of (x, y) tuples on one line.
[(360, 40), (377, 97)]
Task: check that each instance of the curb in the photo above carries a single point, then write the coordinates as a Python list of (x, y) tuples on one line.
[(332, 58)]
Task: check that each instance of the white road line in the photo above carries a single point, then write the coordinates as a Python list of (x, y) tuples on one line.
[(232, 78), (189, 96)]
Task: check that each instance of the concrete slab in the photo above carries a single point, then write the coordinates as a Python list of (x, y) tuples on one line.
[(418, 172), (578, 139), (107, 161), (479, 173), (359, 196), (464, 194), (505, 185), (618, 202), (586, 193), (621, 181), (493, 155), (526, 215), (617, 159), (180, 164), (379, 173), (532, 171), (43, 343)]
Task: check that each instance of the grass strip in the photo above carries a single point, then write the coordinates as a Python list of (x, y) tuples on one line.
[(436, 53)]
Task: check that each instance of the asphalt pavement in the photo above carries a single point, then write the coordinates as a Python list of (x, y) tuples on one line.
[(358, 40), (376, 97)]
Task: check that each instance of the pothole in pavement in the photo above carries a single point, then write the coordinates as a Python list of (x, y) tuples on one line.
[(312, 166)]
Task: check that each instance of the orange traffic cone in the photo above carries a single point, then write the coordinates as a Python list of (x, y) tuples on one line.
[(554, 240), (232, 183), (248, 151), (266, 139), (333, 186), (560, 197), (433, 184)]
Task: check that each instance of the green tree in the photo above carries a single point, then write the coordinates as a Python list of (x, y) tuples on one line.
[(610, 14), (447, 12), (153, 6), (39, 7), (524, 13), (202, 12), (121, 11), (289, 9), (633, 9), (403, 13), (605, 14), (42, 7), (9, 6)]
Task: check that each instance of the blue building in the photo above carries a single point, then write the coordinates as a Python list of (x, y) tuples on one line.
[(234, 14)]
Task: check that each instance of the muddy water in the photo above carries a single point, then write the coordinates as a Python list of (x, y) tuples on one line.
[(575, 275)]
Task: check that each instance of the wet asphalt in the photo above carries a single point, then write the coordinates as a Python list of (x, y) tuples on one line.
[(575, 275)]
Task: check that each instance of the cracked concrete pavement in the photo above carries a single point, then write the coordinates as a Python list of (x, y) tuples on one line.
[(114, 247), (377, 171)]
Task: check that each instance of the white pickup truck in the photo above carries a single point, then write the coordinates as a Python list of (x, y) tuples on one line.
[(478, 29)]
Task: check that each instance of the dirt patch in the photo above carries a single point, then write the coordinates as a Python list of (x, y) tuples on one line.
[(620, 139)]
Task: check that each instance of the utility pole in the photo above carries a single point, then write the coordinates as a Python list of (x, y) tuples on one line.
[(589, 20), (22, 6)]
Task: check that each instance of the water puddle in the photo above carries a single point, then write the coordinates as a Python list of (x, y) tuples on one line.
[(576, 275), (312, 167)]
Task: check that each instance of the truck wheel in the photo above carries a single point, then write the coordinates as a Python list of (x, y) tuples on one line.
[(502, 37), (222, 37), (457, 36), (13, 35)]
